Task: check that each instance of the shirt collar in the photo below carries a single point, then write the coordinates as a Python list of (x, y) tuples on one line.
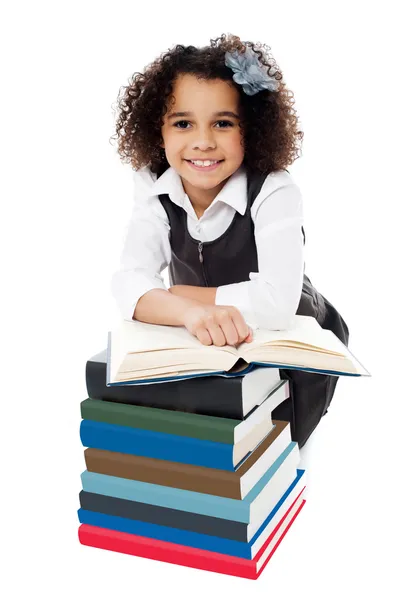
[(234, 192)]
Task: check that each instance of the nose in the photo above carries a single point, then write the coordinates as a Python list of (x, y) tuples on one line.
[(204, 140)]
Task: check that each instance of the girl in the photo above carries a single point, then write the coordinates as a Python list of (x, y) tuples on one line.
[(210, 133)]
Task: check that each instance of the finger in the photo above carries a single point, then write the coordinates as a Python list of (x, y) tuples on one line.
[(226, 323), (203, 336), (216, 334), (250, 336), (240, 325)]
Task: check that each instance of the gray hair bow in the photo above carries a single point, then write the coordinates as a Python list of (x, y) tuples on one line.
[(249, 72)]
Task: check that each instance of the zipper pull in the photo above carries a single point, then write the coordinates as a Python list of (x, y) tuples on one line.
[(200, 246)]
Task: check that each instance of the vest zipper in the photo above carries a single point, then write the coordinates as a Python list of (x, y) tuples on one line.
[(201, 259)]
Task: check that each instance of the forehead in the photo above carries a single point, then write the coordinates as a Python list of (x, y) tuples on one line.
[(189, 91)]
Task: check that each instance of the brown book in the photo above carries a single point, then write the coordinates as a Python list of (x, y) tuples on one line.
[(229, 484)]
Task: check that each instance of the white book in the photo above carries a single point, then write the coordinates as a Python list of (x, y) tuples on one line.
[(139, 352)]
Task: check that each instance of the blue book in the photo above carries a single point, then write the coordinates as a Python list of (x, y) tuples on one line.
[(256, 505), (292, 497), (164, 446)]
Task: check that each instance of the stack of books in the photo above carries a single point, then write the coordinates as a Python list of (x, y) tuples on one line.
[(185, 463), (211, 492)]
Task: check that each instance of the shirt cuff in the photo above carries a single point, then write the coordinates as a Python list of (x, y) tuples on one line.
[(274, 318), (237, 294), (128, 288)]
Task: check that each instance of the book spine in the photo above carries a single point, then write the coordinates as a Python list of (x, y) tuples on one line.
[(165, 446), (181, 423), (169, 517), (159, 495), (213, 396), (175, 475), (167, 534)]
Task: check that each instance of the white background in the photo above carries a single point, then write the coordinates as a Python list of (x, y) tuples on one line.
[(66, 198)]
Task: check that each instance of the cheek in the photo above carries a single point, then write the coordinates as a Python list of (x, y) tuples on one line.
[(174, 142), (238, 136), (237, 143)]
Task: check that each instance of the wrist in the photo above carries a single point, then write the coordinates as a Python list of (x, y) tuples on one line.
[(204, 295), (182, 305), (162, 308)]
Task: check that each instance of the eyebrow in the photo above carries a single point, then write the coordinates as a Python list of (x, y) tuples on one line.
[(222, 113)]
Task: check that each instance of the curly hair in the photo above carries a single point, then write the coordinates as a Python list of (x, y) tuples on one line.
[(271, 134)]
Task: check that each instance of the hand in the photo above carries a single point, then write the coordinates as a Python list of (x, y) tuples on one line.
[(218, 325)]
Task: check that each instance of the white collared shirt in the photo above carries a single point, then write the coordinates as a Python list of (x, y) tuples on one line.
[(268, 298)]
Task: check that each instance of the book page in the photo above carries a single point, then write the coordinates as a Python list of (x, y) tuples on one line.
[(302, 359), (135, 336), (135, 345), (181, 374), (291, 344), (164, 358), (174, 369), (305, 332), (306, 345)]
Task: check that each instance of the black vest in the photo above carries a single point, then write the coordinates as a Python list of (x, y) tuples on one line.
[(227, 259)]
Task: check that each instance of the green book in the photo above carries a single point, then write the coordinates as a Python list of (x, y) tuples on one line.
[(218, 429)]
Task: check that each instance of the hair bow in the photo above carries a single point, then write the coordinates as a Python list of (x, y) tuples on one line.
[(249, 72)]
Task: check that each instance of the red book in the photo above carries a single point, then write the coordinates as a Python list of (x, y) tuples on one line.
[(126, 543)]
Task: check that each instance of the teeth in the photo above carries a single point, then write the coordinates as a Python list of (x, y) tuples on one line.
[(204, 163)]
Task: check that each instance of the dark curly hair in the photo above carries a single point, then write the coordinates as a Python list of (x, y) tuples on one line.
[(270, 125)]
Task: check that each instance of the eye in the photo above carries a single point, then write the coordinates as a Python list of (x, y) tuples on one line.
[(179, 123), (229, 123)]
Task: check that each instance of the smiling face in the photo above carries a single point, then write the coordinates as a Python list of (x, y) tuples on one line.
[(203, 134)]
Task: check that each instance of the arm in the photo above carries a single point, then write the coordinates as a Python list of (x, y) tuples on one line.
[(140, 291), (145, 253), (163, 308), (201, 294), (217, 325)]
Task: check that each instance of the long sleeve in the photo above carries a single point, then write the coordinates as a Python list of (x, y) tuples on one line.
[(146, 252), (270, 298)]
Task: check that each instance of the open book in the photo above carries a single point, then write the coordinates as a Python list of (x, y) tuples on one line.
[(143, 353)]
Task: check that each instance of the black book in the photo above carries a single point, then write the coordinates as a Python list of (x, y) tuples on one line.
[(168, 517), (228, 397)]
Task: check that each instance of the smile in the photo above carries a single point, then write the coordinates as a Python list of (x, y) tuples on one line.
[(208, 166)]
